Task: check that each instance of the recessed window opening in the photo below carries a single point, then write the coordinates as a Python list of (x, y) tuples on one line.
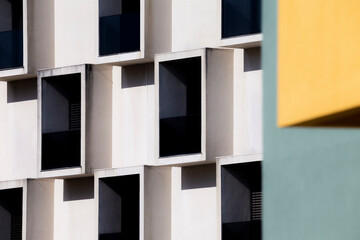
[(240, 17), (241, 201), (11, 209), (119, 207), (180, 106), (11, 34), (61, 121), (119, 26)]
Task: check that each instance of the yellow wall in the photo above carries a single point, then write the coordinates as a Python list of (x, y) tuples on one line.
[(318, 59)]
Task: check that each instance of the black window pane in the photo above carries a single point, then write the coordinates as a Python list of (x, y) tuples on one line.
[(241, 201), (61, 121), (240, 17), (180, 106), (11, 34), (119, 207), (11, 202), (119, 26)]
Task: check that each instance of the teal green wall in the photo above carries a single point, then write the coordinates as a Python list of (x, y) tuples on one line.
[(311, 176)]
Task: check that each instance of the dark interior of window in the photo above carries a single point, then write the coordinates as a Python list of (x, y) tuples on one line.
[(241, 201), (119, 207), (240, 17), (119, 26), (11, 34), (180, 106), (11, 202), (61, 121)]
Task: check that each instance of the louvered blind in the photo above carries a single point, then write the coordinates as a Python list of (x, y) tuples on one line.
[(256, 205), (16, 228), (75, 116)]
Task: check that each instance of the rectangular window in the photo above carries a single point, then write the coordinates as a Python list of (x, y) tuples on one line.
[(180, 106), (119, 26), (240, 17), (61, 121), (241, 201), (11, 212), (11, 34), (119, 207)]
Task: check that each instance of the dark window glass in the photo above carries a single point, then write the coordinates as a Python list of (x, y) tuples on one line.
[(119, 207), (119, 26), (61, 121), (180, 106), (240, 17), (11, 202), (241, 201), (11, 34)]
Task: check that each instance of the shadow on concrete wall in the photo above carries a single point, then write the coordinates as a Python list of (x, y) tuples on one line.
[(198, 177), (21, 90), (137, 75), (78, 189), (252, 59)]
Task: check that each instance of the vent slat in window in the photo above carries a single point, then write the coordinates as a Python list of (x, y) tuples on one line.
[(256, 205)]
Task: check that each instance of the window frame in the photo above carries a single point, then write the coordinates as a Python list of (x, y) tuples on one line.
[(23, 69), (83, 70), (126, 56)]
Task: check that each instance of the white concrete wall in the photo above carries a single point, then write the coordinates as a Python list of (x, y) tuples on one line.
[(194, 211), (40, 214), (247, 104), (130, 116), (99, 118), (73, 220), (219, 103), (195, 24), (75, 34), (158, 25), (157, 208), (41, 41), (18, 138)]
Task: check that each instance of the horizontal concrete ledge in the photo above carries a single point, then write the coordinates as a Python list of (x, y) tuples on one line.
[(239, 159), (21, 183), (121, 58), (247, 41), (15, 74)]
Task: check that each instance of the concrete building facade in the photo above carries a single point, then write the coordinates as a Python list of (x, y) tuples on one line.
[(130, 119)]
